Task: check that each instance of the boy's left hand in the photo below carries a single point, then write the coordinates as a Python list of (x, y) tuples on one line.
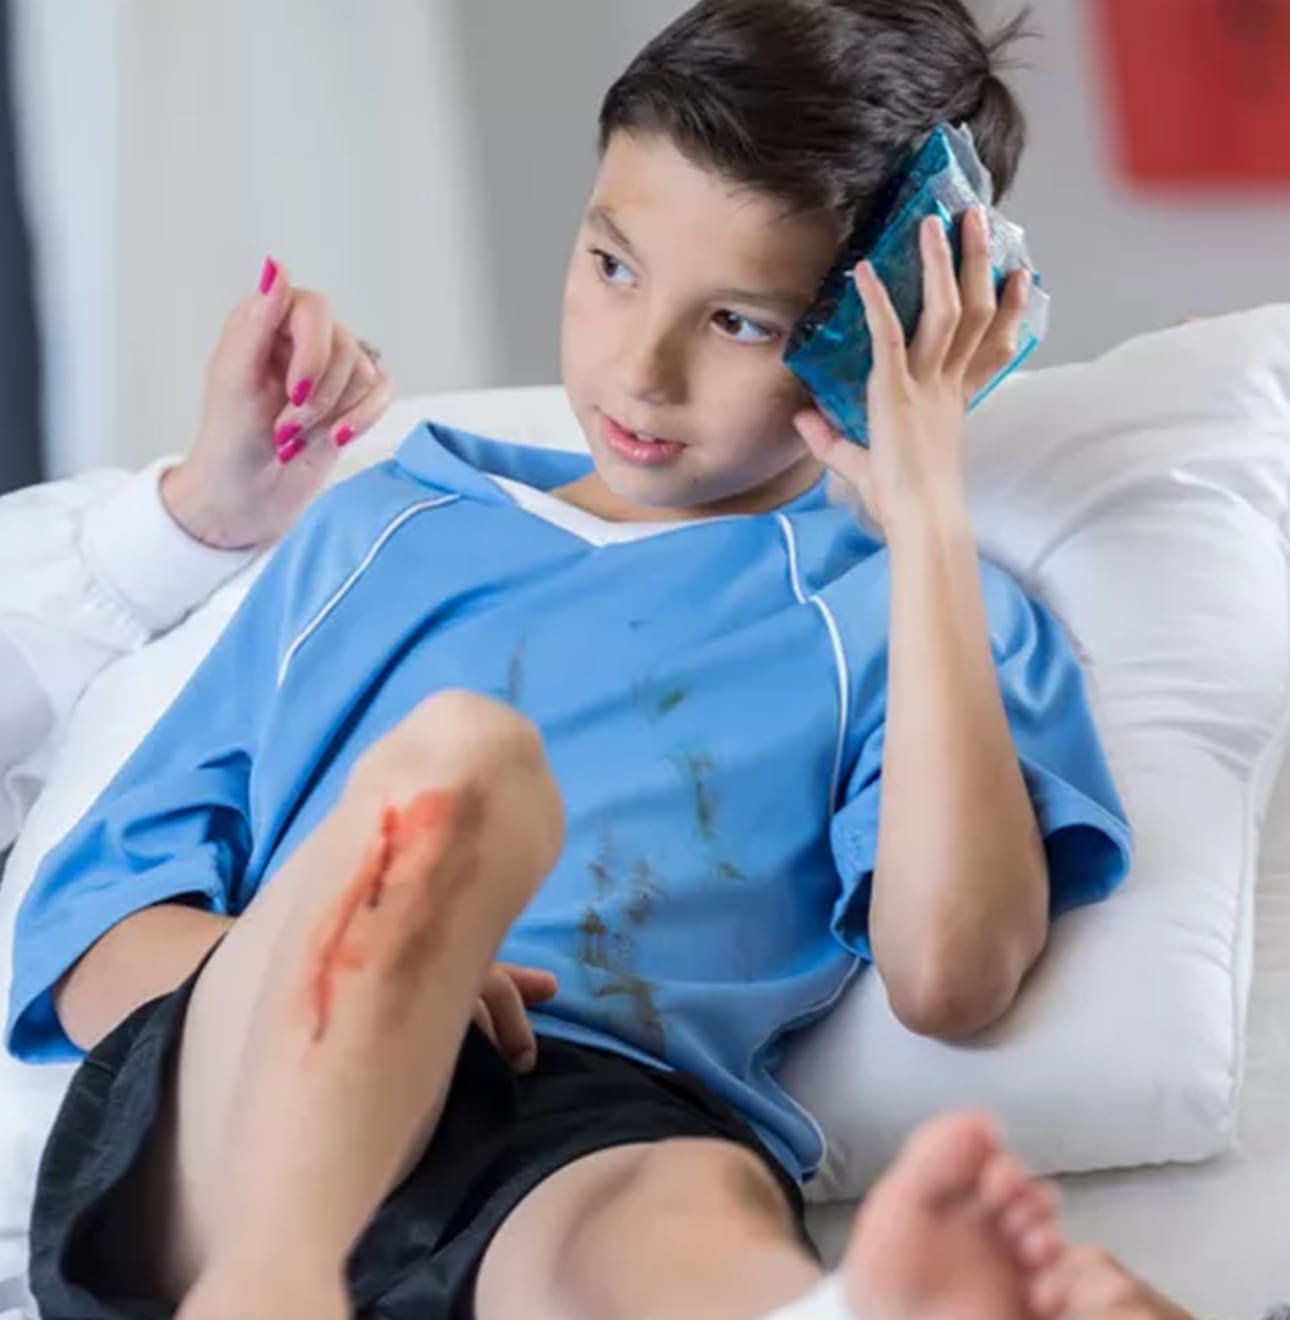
[(918, 395), (501, 1011)]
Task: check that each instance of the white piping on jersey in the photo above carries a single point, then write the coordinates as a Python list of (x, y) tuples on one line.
[(345, 587), (821, 1009), (839, 656), (844, 706)]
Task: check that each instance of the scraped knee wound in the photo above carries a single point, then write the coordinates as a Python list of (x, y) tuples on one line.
[(337, 947), (822, 1303)]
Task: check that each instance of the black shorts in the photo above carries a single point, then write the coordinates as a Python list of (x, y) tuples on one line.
[(500, 1136)]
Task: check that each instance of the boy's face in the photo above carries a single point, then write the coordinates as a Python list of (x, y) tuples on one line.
[(680, 298)]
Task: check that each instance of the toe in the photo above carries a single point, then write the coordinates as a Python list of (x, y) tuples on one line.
[(1081, 1278), (1004, 1180), (946, 1158), (1040, 1247), (1036, 1204), (1048, 1291)]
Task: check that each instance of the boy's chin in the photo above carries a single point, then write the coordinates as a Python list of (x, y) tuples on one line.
[(673, 492), (655, 489)]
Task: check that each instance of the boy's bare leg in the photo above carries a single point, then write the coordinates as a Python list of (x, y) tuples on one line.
[(956, 1231), (322, 1035)]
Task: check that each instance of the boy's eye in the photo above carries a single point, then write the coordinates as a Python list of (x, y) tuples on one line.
[(743, 331), (611, 269)]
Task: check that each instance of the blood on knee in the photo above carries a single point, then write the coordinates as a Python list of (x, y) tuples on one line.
[(336, 946)]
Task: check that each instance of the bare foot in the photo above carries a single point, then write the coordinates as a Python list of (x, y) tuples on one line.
[(1088, 1282), (955, 1231)]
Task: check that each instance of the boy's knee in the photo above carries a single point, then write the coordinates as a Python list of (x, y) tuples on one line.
[(462, 742), (460, 736), (462, 719)]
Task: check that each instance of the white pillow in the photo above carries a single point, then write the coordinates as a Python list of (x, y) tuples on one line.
[(1142, 496)]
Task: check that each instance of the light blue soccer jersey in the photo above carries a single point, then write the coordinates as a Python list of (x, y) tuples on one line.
[(712, 699)]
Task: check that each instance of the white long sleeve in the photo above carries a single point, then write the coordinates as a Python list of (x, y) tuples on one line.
[(90, 569)]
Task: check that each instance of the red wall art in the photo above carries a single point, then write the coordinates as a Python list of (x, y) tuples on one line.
[(1199, 91)]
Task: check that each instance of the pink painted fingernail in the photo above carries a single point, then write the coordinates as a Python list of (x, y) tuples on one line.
[(284, 435), (289, 451), (269, 275), (344, 434), (301, 393)]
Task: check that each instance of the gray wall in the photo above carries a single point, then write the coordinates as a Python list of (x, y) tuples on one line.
[(1117, 263), (19, 358), (532, 97), (534, 94)]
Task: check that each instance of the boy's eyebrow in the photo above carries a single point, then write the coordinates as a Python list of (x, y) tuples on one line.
[(790, 304), (601, 218)]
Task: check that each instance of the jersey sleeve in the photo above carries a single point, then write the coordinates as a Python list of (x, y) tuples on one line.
[(1087, 839)]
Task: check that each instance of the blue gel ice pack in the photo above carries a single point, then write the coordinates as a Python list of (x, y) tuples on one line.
[(830, 349)]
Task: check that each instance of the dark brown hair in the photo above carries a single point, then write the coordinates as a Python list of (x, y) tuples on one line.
[(817, 101)]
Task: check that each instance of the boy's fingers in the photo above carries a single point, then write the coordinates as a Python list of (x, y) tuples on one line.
[(835, 451), (311, 329), (535, 986), (976, 283), (885, 330), (514, 1032), (1002, 340), (821, 439), (483, 1019), (942, 306)]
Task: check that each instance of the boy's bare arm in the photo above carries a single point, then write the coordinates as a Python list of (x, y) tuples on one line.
[(961, 893), (147, 955), (960, 903)]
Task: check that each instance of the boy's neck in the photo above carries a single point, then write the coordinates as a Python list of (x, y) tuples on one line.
[(592, 495)]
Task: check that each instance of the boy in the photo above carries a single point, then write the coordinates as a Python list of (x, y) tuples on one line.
[(624, 723)]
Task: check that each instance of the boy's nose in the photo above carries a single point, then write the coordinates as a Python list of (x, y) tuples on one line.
[(652, 370)]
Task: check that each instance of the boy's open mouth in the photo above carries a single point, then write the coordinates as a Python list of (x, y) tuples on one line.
[(638, 447)]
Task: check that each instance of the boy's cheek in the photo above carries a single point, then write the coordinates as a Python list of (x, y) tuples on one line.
[(753, 412), (585, 335), (584, 299)]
